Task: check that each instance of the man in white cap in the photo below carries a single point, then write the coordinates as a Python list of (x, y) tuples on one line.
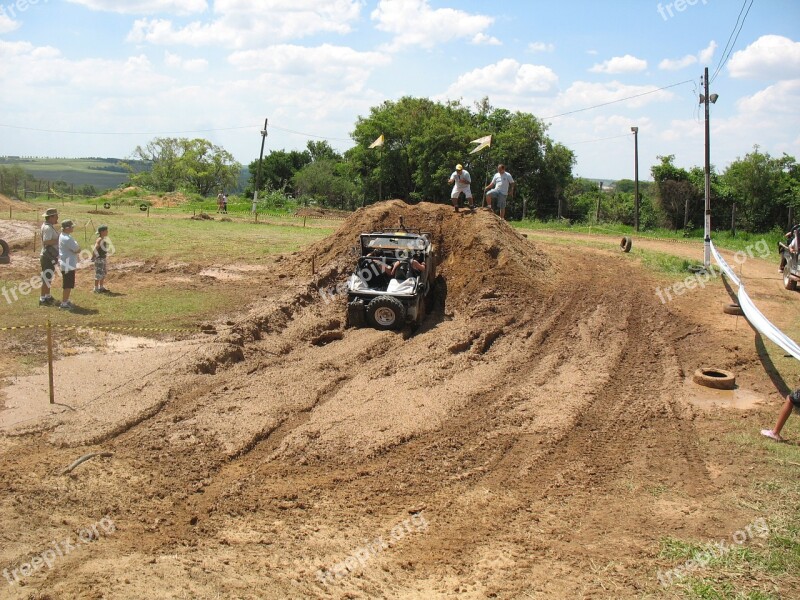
[(48, 258), (462, 180)]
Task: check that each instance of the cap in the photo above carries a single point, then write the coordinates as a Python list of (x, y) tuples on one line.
[(459, 167), (50, 212), (67, 223), (101, 228)]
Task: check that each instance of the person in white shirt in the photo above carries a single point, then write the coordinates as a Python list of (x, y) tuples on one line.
[(504, 186), (68, 250), (461, 180)]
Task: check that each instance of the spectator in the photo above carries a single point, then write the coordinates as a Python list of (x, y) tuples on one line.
[(225, 203), (68, 250), (219, 202), (504, 186), (462, 181), (792, 402), (99, 255), (48, 258)]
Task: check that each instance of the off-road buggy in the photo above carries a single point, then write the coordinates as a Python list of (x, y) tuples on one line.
[(393, 277), (791, 267)]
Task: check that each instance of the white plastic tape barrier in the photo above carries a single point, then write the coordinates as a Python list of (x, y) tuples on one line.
[(724, 266), (755, 316)]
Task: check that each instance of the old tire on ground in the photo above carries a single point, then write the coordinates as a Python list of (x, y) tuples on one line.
[(4, 256), (719, 379), (626, 243), (385, 312), (788, 282), (733, 309)]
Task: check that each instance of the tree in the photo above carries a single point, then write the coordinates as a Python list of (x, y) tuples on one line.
[(277, 170), (762, 187), (424, 140), (675, 191), (183, 164), (326, 181)]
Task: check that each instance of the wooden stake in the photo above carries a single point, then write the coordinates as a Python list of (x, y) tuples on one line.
[(50, 361)]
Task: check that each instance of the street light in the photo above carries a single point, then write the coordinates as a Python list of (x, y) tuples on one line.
[(705, 99), (635, 131), (258, 171)]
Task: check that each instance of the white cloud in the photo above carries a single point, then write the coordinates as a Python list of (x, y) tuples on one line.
[(175, 61), (146, 7), (703, 57), (244, 23), (481, 39), (769, 57), (7, 24), (415, 23), (517, 80), (592, 52), (620, 64), (323, 67), (541, 47), (781, 98), (678, 64), (706, 54)]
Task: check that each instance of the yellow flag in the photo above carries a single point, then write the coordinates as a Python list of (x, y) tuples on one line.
[(378, 142), (483, 142)]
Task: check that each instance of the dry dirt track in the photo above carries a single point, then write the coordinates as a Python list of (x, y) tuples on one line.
[(532, 439)]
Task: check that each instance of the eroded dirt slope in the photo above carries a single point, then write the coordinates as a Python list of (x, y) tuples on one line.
[(508, 448)]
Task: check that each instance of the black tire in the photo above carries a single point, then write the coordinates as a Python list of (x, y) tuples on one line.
[(385, 312), (626, 243), (4, 253), (733, 309), (788, 283), (718, 379)]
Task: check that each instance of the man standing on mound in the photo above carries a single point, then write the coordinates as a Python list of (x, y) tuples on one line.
[(462, 182), (504, 185)]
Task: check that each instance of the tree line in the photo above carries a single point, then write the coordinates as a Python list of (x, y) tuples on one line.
[(423, 140)]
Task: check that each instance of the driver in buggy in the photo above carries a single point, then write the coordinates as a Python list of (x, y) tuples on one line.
[(791, 245)]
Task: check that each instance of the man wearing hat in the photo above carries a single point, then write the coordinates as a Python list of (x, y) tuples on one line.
[(462, 182), (49, 255), (68, 250)]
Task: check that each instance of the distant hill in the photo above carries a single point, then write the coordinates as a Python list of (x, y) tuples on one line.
[(102, 173)]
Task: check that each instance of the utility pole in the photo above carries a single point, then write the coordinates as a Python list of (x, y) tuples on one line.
[(258, 171), (635, 131), (705, 99)]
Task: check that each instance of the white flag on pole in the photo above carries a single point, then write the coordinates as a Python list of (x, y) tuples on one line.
[(378, 142), (483, 142)]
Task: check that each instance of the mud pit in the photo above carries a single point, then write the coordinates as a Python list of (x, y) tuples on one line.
[(506, 449)]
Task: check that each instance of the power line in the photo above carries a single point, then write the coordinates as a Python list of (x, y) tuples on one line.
[(724, 59), (572, 112)]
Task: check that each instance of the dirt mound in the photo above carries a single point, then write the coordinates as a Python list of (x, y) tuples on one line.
[(510, 445), (480, 256), (137, 195), (6, 203)]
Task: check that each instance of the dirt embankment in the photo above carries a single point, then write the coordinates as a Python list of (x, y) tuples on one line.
[(514, 439)]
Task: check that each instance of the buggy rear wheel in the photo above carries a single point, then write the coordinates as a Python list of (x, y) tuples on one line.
[(788, 282), (385, 312)]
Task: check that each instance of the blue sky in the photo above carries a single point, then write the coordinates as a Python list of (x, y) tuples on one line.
[(99, 77)]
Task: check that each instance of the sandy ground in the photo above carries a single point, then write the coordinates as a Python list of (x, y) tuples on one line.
[(535, 438)]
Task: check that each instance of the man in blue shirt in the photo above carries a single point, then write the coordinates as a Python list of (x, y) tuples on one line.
[(504, 186)]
